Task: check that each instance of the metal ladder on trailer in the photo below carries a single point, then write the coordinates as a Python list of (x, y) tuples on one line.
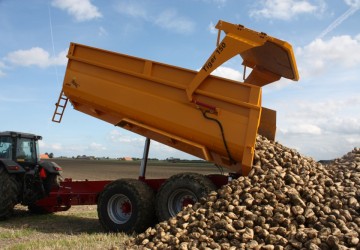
[(60, 107)]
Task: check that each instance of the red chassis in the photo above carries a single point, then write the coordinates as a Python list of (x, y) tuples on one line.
[(71, 193)]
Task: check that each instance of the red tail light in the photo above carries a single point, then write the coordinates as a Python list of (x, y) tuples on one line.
[(58, 168), (13, 168), (42, 173)]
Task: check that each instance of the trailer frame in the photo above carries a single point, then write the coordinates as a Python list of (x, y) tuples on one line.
[(86, 192)]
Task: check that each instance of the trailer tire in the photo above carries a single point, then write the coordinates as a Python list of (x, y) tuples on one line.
[(179, 191), (126, 205), (9, 193)]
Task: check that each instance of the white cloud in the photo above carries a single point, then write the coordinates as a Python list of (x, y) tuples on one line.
[(343, 125), (41, 144), (2, 66), (303, 128), (60, 59), (324, 128), (354, 140), (36, 57), (56, 146), (322, 147), (72, 149), (219, 3), (228, 73), (133, 9), (81, 10), (49, 147), (162, 148), (212, 28), (96, 147), (322, 55), (116, 137), (324, 109), (285, 9), (325, 113), (353, 3), (168, 19)]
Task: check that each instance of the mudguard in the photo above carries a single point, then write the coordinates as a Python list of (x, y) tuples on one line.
[(50, 167), (11, 166)]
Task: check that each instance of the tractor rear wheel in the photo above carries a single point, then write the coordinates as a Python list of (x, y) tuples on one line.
[(179, 191), (9, 193), (126, 205)]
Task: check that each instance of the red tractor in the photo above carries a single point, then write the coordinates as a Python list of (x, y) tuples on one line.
[(23, 178)]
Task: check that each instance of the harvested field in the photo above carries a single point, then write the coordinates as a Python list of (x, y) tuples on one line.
[(77, 228), (287, 202), (80, 169)]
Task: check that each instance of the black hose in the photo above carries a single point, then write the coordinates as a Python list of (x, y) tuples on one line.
[(232, 161)]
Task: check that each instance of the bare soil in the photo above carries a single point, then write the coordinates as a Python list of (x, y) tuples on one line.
[(80, 169)]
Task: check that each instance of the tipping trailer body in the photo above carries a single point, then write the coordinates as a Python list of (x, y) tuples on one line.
[(210, 117)]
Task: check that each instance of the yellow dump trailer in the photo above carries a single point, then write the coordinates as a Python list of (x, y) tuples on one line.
[(213, 118)]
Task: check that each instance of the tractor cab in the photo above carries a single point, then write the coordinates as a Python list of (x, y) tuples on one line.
[(21, 148)]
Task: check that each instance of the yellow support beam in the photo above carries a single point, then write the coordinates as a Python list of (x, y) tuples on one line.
[(269, 58)]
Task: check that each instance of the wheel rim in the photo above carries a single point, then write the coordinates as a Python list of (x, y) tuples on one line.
[(119, 208), (179, 199)]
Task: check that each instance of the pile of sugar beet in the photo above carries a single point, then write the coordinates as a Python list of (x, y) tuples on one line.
[(288, 201)]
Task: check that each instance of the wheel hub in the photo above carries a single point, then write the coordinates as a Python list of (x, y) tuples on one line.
[(180, 198), (119, 208)]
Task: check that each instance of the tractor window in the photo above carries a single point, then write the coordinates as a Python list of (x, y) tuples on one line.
[(5, 148), (26, 150)]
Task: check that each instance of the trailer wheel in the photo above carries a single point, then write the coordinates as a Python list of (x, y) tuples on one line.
[(9, 193), (126, 205), (179, 191)]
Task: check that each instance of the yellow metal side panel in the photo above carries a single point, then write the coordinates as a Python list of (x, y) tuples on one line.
[(117, 88), (267, 125)]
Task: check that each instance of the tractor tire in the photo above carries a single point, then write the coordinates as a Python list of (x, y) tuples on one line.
[(179, 191), (126, 205), (52, 182), (9, 193)]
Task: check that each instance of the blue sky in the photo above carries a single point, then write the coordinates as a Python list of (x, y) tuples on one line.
[(319, 115)]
